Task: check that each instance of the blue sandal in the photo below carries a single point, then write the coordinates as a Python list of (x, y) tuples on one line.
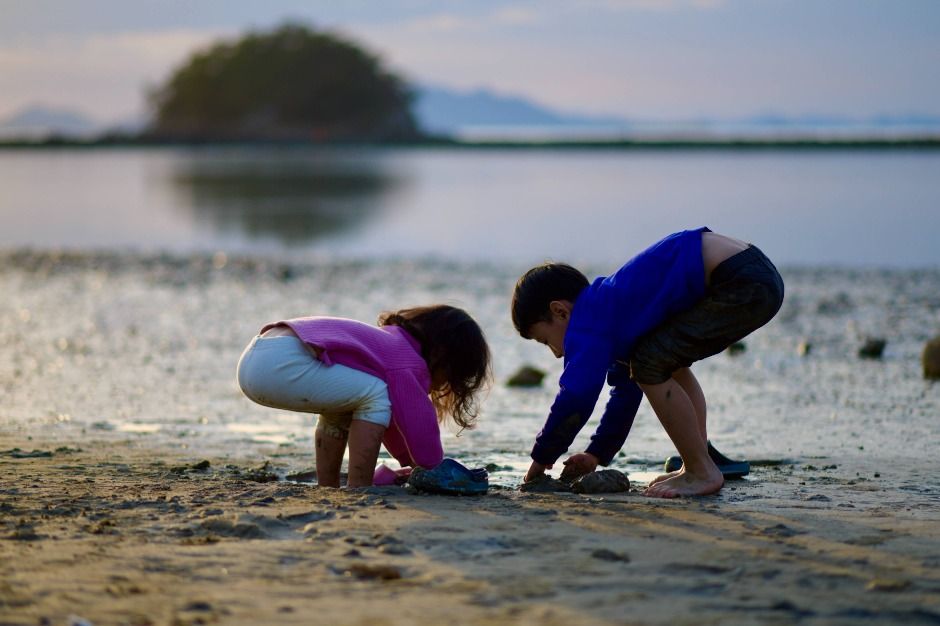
[(450, 478)]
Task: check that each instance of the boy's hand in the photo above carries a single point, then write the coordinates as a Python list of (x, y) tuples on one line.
[(535, 471), (578, 465)]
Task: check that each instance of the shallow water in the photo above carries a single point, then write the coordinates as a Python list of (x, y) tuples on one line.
[(145, 347)]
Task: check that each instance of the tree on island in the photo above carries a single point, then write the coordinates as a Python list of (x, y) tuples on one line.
[(292, 83)]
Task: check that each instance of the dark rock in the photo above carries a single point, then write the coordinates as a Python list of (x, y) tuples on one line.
[(526, 376), (873, 348), (16, 453), (544, 484), (604, 481), (931, 359), (804, 348), (261, 474), (609, 555), (303, 477), (494, 467), (738, 347), (373, 572)]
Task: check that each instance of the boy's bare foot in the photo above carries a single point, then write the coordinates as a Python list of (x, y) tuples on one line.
[(663, 477), (685, 484)]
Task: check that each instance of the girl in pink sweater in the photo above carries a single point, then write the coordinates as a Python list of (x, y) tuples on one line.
[(390, 384)]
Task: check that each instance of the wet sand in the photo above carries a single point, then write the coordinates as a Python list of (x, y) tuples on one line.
[(139, 486), (113, 532)]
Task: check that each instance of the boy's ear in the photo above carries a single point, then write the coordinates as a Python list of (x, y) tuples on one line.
[(560, 309)]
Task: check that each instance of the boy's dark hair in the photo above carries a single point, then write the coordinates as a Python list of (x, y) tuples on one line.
[(540, 286), (455, 349)]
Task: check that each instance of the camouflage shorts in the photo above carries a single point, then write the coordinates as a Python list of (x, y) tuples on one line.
[(746, 292)]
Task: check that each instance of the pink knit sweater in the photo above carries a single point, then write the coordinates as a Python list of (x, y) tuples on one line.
[(394, 356)]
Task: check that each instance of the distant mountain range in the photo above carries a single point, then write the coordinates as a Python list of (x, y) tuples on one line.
[(42, 121), (484, 114), (446, 111)]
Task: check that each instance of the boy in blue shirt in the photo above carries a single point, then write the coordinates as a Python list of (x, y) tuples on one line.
[(683, 299)]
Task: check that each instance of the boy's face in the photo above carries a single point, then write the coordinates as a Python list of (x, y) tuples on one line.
[(552, 332)]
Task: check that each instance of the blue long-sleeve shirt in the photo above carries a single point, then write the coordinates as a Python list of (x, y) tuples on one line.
[(607, 319)]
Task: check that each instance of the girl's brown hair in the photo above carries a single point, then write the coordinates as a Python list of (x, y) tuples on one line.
[(457, 355)]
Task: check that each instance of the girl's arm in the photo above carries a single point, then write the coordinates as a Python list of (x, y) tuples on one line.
[(413, 436)]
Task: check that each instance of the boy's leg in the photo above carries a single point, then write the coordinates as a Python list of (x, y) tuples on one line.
[(676, 412), (689, 384), (364, 441), (331, 446), (746, 292)]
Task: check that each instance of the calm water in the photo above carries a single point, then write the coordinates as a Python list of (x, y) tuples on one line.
[(849, 208)]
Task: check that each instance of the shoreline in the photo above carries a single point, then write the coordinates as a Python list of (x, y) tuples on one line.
[(115, 532), (666, 143)]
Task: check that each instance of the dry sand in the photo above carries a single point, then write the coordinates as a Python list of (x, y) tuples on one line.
[(116, 533)]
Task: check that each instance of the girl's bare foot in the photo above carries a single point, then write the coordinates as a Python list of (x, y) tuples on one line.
[(686, 484)]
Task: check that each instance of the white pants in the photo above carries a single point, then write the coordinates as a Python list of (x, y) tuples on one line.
[(281, 372)]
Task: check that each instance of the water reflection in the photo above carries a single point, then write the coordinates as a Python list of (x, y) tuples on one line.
[(293, 197)]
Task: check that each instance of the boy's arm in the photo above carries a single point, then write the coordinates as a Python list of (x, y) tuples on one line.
[(586, 361), (625, 398), (611, 433)]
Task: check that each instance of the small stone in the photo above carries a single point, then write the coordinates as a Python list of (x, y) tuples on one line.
[(873, 348), (609, 555), (889, 585), (804, 348), (526, 376), (738, 347), (931, 359)]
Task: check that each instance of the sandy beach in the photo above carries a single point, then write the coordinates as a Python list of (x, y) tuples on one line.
[(113, 533), (139, 486)]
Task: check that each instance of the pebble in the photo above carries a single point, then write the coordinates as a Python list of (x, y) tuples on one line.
[(526, 376), (930, 359), (873, 348)]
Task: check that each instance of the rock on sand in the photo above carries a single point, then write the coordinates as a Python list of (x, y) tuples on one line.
[(931, 359)]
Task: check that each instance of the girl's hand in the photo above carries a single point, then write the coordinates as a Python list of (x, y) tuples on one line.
[(535, 471), (402, 475), (578, 465)]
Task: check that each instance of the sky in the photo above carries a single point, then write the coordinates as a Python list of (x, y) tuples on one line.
[(638, 59)]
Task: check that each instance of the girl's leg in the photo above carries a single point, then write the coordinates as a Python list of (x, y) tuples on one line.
[(331, 446), (364, 441)]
